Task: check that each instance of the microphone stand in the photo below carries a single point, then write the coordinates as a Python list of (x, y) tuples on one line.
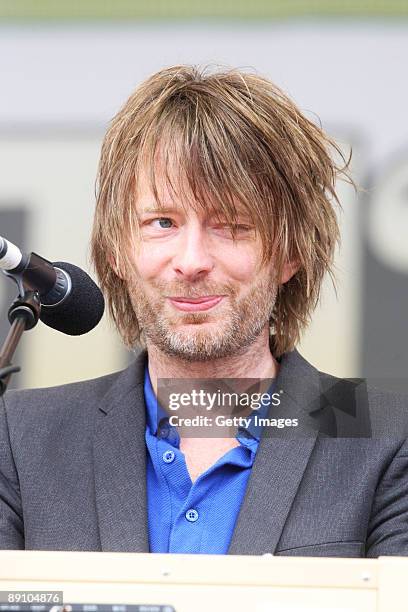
[(23, 315)]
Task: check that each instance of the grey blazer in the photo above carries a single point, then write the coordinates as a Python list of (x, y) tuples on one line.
[(73, 469)]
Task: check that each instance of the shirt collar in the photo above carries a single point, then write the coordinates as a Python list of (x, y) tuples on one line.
[(254, 429), (156, 414)]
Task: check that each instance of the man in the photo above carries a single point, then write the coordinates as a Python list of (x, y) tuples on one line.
[(213, 230)]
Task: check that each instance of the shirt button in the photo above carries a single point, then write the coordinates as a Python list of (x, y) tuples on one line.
[(169, 456), (192, 515)]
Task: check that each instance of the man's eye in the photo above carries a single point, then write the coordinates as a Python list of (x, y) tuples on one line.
[(168, 223), (164, 222), (238, 227), (243, 228)]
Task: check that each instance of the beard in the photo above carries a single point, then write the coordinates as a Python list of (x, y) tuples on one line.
[(201, 336)]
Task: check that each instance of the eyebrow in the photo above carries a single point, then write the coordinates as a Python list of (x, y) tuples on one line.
[(155, 209), (168, 208)]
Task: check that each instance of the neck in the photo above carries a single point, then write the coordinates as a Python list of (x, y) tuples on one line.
[(255, 361)]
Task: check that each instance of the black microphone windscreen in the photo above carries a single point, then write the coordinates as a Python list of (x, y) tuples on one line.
[(83, 308)]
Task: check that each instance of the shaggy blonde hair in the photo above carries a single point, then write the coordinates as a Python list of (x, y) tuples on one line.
[(234, 137)]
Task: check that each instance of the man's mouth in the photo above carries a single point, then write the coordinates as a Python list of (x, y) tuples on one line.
[(196, 304), (197, 300)]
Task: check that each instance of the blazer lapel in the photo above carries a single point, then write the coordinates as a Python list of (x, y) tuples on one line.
[(120, 463), (280, 462)]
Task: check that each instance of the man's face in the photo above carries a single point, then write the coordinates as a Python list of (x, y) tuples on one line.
[(186, 257)]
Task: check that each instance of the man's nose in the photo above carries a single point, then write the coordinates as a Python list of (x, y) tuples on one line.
[(193, 258)]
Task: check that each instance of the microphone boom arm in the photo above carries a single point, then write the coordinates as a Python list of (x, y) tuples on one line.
[(23, 315)]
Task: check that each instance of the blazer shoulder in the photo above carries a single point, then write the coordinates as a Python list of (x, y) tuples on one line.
[(385, 412), (78, 397), (363, 388)]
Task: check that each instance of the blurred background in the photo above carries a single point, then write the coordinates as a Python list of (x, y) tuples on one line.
[(66, 68)]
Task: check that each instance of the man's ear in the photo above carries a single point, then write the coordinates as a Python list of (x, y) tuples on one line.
[(289, 269), (118, 269)]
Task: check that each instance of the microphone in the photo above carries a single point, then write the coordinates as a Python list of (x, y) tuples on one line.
[(70, 300)]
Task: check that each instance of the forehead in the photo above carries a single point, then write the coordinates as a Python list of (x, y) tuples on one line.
[(160, 189)]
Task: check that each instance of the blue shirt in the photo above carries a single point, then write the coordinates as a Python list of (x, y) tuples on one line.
[(199, 517)]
